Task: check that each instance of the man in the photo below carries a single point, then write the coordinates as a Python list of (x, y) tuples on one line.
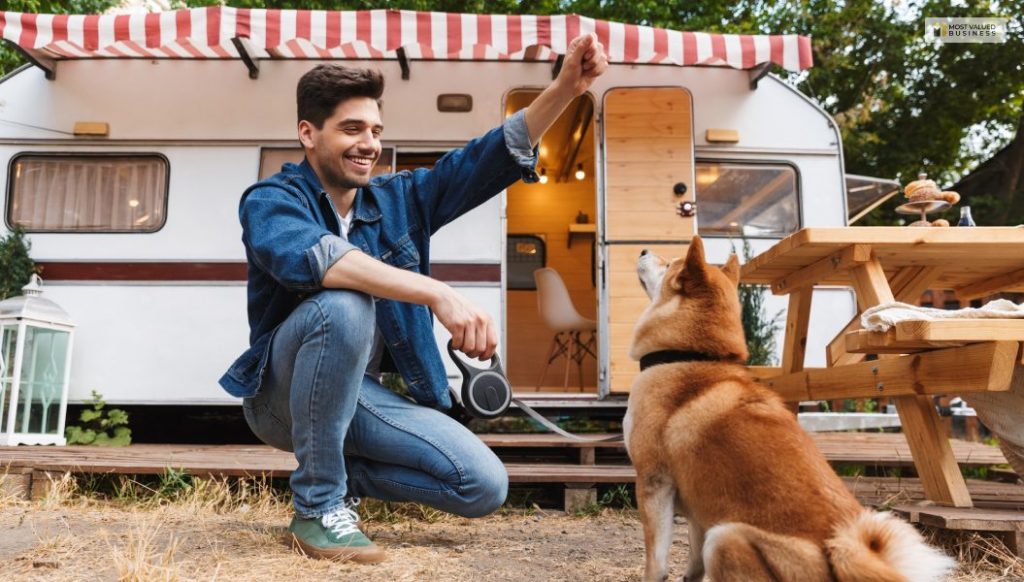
[(336, 262)]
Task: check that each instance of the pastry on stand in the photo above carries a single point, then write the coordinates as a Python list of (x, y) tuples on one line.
[(925, 197)]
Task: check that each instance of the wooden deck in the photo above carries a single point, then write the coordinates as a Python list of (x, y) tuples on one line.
[(873, 449)]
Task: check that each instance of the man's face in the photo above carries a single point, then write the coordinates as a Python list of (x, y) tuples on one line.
[(345, 150)]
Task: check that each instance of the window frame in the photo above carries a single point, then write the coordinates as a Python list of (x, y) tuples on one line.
[(97, 155), (758, 162)]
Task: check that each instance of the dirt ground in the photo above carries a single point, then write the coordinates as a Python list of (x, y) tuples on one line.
[(213, 536)]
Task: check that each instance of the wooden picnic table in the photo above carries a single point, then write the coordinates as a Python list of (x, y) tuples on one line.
[(885, 264)]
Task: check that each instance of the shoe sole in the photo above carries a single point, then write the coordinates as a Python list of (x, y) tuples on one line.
[(367, 555)]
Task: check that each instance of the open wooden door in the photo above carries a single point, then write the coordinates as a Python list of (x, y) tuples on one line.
[(649, 173)]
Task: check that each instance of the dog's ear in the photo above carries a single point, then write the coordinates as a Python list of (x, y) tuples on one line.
[(695, 254), (694, 267), (732, 269)]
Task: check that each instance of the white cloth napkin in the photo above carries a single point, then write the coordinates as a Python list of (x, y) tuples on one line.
[(883, 317)]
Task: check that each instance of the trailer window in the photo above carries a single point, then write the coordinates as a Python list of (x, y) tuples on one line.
[(87, 192), (745, 199)]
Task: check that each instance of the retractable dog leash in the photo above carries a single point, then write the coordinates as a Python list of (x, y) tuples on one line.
[(486, 393)]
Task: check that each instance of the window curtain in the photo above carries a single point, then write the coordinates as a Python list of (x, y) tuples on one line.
[(89, 193)]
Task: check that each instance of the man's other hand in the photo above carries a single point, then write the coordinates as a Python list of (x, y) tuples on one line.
[(473, 331), (585, 60)]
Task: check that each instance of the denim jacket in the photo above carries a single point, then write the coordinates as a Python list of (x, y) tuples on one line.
[(291, 236)]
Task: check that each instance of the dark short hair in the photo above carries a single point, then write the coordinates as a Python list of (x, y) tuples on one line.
[(325, 86)]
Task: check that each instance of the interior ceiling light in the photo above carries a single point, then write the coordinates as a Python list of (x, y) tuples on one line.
[(580, 174), (543, 176)]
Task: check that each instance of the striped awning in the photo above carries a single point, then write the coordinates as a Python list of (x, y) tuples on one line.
[(213, 33)]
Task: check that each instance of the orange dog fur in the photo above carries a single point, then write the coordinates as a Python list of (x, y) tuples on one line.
[(710, 443)]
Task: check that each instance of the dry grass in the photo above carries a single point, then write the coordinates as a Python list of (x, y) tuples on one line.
[(214, 529), (981, 557)]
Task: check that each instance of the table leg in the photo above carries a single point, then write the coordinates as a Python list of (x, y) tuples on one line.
[(933, 456), (794, 349)]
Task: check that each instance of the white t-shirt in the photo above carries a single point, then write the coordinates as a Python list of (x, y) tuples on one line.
[(377, 350)]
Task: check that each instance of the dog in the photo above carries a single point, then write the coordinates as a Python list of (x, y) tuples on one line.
[(710, 443)]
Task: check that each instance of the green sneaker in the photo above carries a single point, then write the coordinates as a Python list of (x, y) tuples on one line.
[(335, 536)]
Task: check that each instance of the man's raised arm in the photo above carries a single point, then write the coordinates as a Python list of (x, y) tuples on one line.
[(584, 61)]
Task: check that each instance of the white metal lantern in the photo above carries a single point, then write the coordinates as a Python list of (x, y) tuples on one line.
[(35, 366)]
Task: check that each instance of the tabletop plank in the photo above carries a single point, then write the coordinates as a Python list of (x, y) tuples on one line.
[(967, 256)]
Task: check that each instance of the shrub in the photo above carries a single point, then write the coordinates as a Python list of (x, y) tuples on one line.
[(101, 426), (15, 265)]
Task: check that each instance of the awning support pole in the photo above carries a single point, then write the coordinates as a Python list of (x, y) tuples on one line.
[(558, 67), (757, 73), (47, 64), (403, 61), (248, 55)]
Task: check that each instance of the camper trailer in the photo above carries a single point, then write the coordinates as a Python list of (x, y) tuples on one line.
[(125, 145)]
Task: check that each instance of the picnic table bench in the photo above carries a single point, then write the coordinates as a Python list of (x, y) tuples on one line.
[(915, 359)]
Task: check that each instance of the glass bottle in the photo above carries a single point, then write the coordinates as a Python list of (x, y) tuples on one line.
[(965, 217)]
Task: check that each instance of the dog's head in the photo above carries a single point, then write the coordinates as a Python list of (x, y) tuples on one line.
[(694, 306)]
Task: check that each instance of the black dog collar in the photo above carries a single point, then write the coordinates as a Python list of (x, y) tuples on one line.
[(674, 356)]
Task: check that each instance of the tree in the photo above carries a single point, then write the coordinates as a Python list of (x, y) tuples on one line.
[(10, 58)]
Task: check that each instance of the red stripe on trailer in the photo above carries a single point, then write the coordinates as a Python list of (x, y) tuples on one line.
[(603, 33), (483, 32), (806, 54), (544, 31), (333, 25), (243, 24), (689, 48), (393, 32), (423, 34), (660, 45), (273, 26), (631, 44), (514, 32), (152, 30), (60, 27), (303, 24), (748, 51), (572, 29), (183, 24), (454, 32), (718, 47), (28, 31), (91, 33)]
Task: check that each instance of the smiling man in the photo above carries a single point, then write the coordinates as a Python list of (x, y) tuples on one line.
[(338, 287)]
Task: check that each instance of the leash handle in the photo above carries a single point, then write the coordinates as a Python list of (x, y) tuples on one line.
[(486, 392), (472, 370)]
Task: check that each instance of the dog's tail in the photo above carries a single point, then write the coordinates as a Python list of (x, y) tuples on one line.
[(879, 547)]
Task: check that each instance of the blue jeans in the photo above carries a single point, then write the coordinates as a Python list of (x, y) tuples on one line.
[(354, 437)]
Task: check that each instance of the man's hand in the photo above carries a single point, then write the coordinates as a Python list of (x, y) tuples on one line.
[(585, 60), (472, 329)]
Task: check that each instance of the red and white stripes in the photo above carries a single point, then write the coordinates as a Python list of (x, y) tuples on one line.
[(206, 33)]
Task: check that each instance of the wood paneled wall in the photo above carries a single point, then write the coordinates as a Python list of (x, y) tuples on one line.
[(547, 210)]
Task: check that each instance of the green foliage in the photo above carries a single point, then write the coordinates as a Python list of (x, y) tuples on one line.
[(10, 58), (101, 426), (16, 267), (758, 326)]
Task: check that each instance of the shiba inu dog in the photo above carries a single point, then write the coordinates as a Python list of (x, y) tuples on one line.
[(710, 443)]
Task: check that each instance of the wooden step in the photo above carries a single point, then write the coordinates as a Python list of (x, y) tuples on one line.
[(1007, 524)]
